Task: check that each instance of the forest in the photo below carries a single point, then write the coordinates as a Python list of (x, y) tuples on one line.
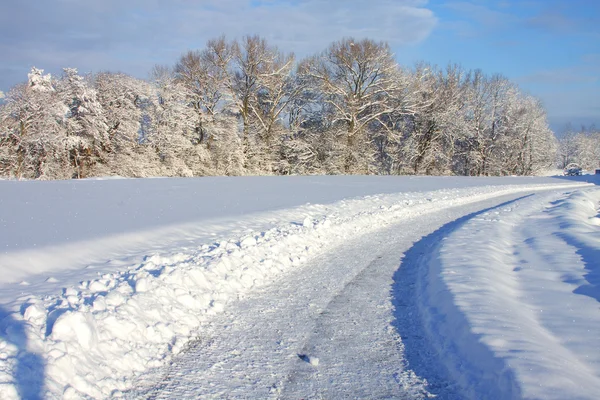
[(248, 108)]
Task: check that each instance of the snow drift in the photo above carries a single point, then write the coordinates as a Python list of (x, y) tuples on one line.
[(518, 315)]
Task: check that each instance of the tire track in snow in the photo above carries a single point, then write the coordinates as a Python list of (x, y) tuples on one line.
[(338, 308)]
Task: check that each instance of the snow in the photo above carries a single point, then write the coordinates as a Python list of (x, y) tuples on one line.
[(518, 315), (98, 224), (337, 307), (122, 274)]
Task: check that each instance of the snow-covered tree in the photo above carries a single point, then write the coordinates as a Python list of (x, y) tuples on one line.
[(240, 108), (87, 131), (359, 83), (207, 78), (128, 105), (429, 134), (173, 126), (277, 89), (567, 148), (587, 145), (528, 144), (33, 142)]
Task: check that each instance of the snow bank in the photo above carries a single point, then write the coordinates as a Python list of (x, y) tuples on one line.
[(511, 299), (95, 337)]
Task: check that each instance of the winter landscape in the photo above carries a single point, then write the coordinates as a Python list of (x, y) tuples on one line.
[(300, 287), (300, 199)]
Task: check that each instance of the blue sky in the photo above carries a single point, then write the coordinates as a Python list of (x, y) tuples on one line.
[(551, 48)]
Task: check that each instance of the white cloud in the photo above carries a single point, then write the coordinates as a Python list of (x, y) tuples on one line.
[(309, 26), (131, 36)]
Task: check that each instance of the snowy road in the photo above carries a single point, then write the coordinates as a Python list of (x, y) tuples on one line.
[(331, 329)]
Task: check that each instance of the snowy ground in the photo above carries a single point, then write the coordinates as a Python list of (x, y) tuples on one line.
[(520, 313), (299, 287)]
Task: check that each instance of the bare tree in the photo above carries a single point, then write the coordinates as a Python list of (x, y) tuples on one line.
[(361, 83)]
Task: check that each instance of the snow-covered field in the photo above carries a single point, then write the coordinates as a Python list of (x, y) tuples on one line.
[(107, 286)]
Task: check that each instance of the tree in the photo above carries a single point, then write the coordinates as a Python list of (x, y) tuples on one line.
[(172, 132), (240, 108), (86, 128), (32, 131), (203, 84), (128, 105), (528, 143), (431, 131), (277, 90), (588, 149), (207, 77), (359, 83)]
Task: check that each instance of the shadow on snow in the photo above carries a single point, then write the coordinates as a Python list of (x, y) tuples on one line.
[(422, 352), (590, 256), (29, 368)]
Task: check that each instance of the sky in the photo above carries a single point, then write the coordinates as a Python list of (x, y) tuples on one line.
[(550, 48)]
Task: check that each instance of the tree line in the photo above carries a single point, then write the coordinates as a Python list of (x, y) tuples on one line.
[(246, 108), (581, 147)]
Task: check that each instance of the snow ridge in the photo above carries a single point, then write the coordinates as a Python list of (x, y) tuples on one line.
[(511, 314), (94, 338)]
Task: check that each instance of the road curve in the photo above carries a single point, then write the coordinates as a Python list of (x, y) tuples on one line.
[(338, 327)]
